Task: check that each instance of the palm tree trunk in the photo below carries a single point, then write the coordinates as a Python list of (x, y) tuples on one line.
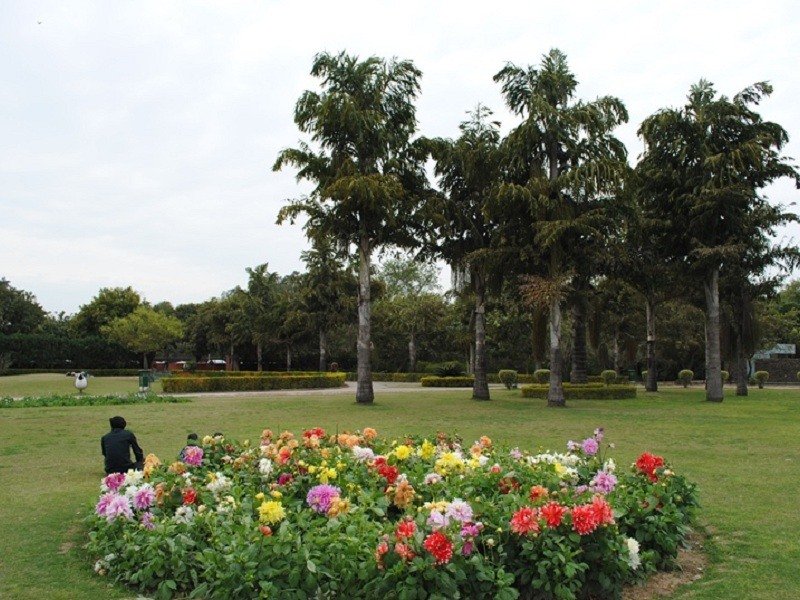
[(615, 350), (364, 391), (323, 351), (480, 389), (555, 395), (740, 364), (260, 355), (288, 357), (471, 359), (144, 360), (412, 353), (714, 391), (579, 372), (651, 385)]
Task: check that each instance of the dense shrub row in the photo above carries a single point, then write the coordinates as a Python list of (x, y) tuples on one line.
[(86, 400), (45, 351), (415, 377), (185, 384), (590, 391), (64, 371), (245, 373), (436, 381)]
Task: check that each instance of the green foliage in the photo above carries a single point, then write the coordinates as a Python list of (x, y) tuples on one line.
[(144, 330), (87, 400), (644, 374), (57, 351), (508, 377), (109, 304), (585, 391), (685, 377), (19, 310), (608, 376), (447, 381), (541, 375), (725, 376), (186, 384), (761, 378), (450, 369), (90, 372)]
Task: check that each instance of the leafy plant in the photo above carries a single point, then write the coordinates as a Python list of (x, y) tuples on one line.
[(761, 378), (685, 377), (508, 377), (608, 376), (541, 375)]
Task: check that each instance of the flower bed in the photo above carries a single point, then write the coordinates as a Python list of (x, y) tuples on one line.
[(356, 516)]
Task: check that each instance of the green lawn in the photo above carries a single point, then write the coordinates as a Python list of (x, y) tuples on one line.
[(43, 384), (744, 453)]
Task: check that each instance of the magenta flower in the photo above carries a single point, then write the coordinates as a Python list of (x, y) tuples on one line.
[(471, 530), (144, 497), (604, 482), (113, 505), (459, 510), (193, 456), (438, 520), (320, 497), (114, 481), (590, 446), (102, 503), (284, 478), (467, 548)]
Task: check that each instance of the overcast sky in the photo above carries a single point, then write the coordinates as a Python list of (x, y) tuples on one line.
[(137, 138)]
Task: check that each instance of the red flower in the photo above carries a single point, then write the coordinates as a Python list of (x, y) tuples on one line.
[(404, 551), (553, 512), (537, 492), (405, 529), (388, 472), (602, 511), (508, 485), (525, 520), (317, 431), (648, 463), (439, 546), (266, 530), (383, 548), (584, 519), (189, 496), (284, 454)]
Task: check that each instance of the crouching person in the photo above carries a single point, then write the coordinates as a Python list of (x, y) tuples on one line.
[(117, 445)]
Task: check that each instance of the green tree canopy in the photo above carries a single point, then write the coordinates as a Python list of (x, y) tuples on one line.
[(144, 330), (19, 310), (107, 305)]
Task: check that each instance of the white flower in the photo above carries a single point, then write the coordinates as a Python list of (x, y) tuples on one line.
[(633, 554), (133, 477), (609, 466), (265, 467), (184, 514), (482, 460), (218, 484), (432, 478), (363, 454), (226, 505)]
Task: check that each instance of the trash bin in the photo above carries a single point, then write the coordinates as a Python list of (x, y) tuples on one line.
[(144, 381), (632, 374)]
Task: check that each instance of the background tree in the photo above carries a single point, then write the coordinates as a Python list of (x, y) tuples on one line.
[(469, 171), (19, 310), (703, 169), (144, 330), (368, 179), (109, 304), (291, 314), (561, 161)]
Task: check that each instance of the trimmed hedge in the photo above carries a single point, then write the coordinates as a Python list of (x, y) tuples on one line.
[(621, 379), (416, 377), (589, 391), (86, 400), (65, 370), (183, 384), (436, 381), (247, 373)]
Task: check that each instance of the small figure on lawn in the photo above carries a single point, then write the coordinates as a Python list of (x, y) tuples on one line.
[(81, 381), (191, 440), (117, 445)]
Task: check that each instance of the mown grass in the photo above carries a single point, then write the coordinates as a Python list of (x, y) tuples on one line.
[(743, 453), (45, 384)]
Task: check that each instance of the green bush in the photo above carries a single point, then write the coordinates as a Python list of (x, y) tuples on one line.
[(183, 384), (685, 377), (508, 377), (65, 370), (245, 373), (86, 400), (585, 391), (608, 376), (395, 377), (761, 378), (436, 381), (541, 375), (644, 375), (798, 375), (725, 376), (450, 369)]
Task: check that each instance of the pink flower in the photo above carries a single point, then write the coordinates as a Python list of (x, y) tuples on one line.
[(147, 521), (193, 456), (102, 503), (459, 510), (320, 497), (114, 506), (438, 520), (590, 446), (604, 482), (114, 481), (144, 497), (284, 478)]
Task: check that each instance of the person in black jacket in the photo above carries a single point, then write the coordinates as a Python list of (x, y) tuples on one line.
[(117, 445)]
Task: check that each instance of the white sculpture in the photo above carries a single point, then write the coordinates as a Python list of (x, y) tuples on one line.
[(81, 381)]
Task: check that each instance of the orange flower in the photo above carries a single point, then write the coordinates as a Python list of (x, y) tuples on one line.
[(403, 494), (525, 520), (538, 492), (369, 433)]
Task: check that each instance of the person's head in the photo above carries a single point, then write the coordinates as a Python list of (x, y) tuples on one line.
[(117, 423), (192, 437), (218, 434)]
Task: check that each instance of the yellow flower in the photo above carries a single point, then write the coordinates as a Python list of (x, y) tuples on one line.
[(402, 452), (427, 450), (276, 494), (559, 469), (207, 439), (260, 496), (449, 462), (271, 512), (312, 469), (338, 507)]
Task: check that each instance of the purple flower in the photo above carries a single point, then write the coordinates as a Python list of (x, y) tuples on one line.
[(598, 434), (193, 456), (471, 530), (320, 497), (102, 503), (604, 482), (114, 481), (147, 521), (144, 497), (113, 505), (438, 520), (467, 548), (590, 446), (581, 489), (515, 453), (459, 510)]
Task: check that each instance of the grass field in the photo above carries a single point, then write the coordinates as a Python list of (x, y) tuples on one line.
[(744, 454), (42, 384)]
